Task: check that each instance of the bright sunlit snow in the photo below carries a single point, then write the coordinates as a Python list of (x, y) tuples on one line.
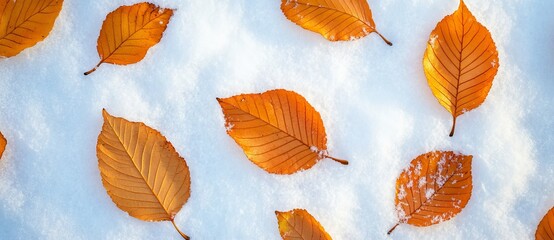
[(374, 100)]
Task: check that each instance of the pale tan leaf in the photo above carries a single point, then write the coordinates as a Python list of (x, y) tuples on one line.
[(141, 171)]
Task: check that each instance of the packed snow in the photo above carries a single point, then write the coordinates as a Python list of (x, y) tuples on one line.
[(374, 101)]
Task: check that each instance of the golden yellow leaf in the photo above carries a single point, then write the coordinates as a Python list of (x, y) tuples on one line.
[(336, 20), (3, 143), (545, 230), (24, 23), (141, 171), (299, 224), (460, 62), (434, 188), (129, 31), (278, 130)]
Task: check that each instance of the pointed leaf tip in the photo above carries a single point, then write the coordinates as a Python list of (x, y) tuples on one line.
[(105, 113), (462, 4)]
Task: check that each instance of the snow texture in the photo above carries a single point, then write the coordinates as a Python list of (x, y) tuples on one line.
[(374, 100)]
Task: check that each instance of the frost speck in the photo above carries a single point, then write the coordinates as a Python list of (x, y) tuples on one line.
[(401, 214), (418, 168), (429, 193), (437, 219), (229, 127), (320, 153), (433, 40), (421, 182), (401, 193), (410, 184)]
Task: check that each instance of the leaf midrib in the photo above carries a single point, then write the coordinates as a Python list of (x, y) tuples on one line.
[(460, 63)]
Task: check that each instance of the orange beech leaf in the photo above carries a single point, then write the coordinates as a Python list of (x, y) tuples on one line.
[(3, 143), (141, 171), (300, 224), (24, 23), (460, 62), (434, 188), (545, 230), (278, 130), (129, 31), (336, 20)]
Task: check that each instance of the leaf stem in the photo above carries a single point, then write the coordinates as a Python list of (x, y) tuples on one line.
[(392, 229), (94, 69), (384, 39), (343, 162), (182, 234), (453, 127)]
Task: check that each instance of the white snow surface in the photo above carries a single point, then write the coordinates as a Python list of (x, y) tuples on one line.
[(374, 100)]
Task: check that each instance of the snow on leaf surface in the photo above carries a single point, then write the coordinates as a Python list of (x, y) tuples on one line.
[(444, 188)]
